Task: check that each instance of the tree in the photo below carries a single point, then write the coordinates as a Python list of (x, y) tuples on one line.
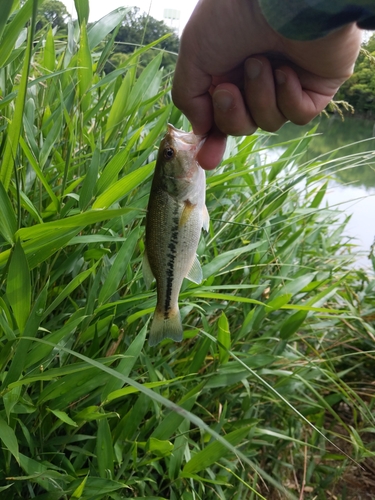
[(53, 12), (359, 90), (138, 28)]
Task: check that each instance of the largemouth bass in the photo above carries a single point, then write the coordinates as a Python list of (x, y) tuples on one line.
[(176, 214)]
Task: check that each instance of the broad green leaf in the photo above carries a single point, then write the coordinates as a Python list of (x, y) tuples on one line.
[(64, 417), (49, 56), (51, 237), (96, 484), (10, 399), (39, 172), (14, 129), (294, 150), (116, 114), (113, 75), (99, 30), (39, 250), (319, 196), (84, 68), (278, 302), (104, 449), (121, 188), (131, 390), (292, 323), (8, 221), (214, 451), (180, 450), (50, 140), (117, 163), (18, 287), (21, 355), (41, 353), (156, 130), (3, 488), (76, 282), (140, 91), (270, 208), (9, 439), (223, 337), (63, 392), (171, 422), (158, 447), (91, 413), (27, 205), (119, 266), (88, 185), (232, 372), (78, 492), (76, 221), (222, 260), (6, 8), (126, 365), (95, 329), (221, 296), (83, 11), (295, 285), (107, 51), (14, 28)]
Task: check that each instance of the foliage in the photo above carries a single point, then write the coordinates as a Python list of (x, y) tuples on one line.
[(53, 12), (359, 90), (139, 28), (136, 29), (277, 338)]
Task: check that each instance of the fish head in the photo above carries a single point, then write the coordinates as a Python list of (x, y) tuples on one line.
[(177, 157)]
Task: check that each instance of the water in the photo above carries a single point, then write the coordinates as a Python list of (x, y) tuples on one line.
[(354, 190)]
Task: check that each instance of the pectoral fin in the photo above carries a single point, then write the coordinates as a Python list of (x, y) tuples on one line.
[(188, 208), (195, 274), (147, 273)]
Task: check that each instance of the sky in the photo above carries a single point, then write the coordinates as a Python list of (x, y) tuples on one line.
[(99, 8)]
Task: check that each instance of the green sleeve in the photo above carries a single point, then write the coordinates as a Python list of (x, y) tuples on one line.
[(311, 19)]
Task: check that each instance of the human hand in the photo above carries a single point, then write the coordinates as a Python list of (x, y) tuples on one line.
[(235, 73)]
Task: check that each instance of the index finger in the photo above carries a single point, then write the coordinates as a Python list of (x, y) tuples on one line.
[(190, 93)]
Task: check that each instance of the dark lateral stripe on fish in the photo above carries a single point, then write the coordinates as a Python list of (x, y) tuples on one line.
[(170, 264)]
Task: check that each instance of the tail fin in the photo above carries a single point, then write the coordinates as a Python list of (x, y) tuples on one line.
[(170, 328)]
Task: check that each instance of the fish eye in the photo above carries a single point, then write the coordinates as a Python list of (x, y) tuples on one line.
[(169, 153)]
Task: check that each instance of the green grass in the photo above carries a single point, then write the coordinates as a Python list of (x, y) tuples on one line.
[(279, 338)]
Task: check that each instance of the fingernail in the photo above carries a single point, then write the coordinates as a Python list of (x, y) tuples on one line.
[(280, 76), (253, 68), (223, 100)]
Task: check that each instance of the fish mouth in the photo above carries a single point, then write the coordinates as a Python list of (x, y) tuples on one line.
[(186, 141)]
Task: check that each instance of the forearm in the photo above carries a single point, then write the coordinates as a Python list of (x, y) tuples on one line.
[(312, 19)]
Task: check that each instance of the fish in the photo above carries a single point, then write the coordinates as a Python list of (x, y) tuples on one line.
[(176, 214)]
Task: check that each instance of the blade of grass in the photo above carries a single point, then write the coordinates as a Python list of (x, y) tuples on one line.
[(15, 126), (18, 289)]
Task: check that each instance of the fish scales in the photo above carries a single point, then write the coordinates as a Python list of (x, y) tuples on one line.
[(176, 214)]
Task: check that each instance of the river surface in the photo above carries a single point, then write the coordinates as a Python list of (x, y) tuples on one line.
[(352, 188)]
